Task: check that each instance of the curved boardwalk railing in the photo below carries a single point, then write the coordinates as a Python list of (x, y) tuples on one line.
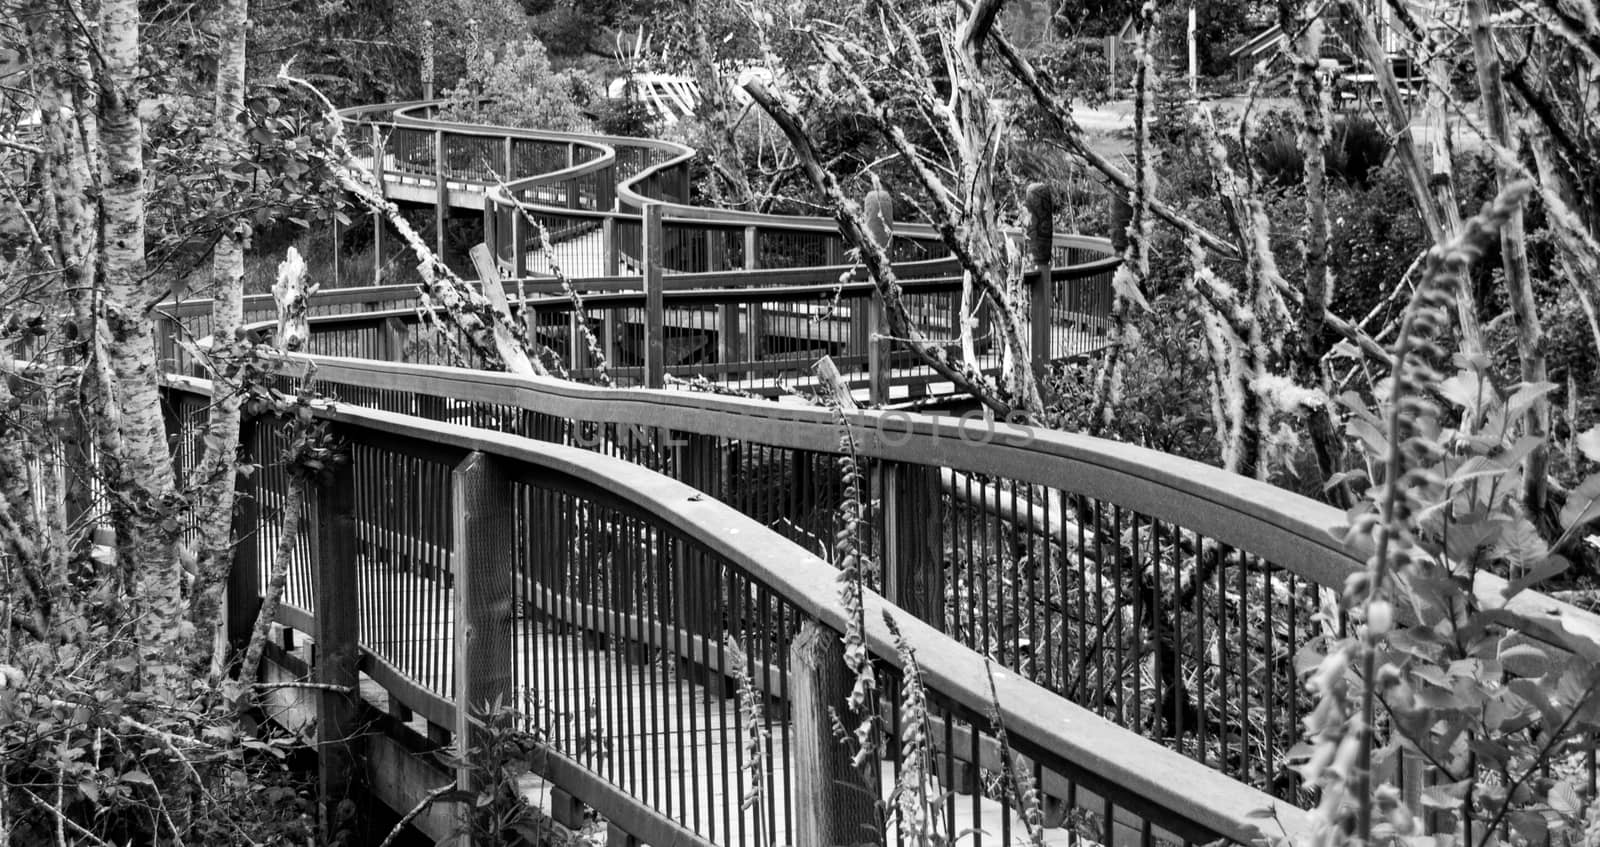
[(1144, 611), (576, 573)]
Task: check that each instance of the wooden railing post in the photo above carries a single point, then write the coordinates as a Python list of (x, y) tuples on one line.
[(441, 202), (655, 350), (244, 577), (608, 232), (729, 343), (1041, 292), (879, 353), (913, 569), (519, 243), (577, 346), (393, 340), (378, 157), (491, 228), (879, 213), (753, 318), (481, 523), (833, 807), (336, 628), (506, 173)]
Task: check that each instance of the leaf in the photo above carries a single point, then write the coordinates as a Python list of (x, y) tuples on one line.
[(138, 778), (1521, 545), (1583, 506), (1377, 445), (1531, 826), (1465, 390), (1447, 795), (1526, 395), (1538, 573), (1533, 691), (1589, 443), (1565, 800), (1523, 656)]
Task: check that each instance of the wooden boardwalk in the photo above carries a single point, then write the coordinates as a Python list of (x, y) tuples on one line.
[(649, 722)]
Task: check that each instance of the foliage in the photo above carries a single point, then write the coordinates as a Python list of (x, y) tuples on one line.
[(1473, 687), (1165, 404), (515, 85), (627, 115), (1355, 151), (87, 757), (498, 813)]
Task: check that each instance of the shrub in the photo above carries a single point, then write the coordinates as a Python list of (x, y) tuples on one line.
[(520, 88)]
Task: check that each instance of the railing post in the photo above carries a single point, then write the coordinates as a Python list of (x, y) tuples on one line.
[(577, 346), (879, 213), (481, 523), (378, 157), (519, 243), (491, 228), (336, 629), (1041, 291), (441, 203), (244, 577), (654, 317), (913, 569), (608, 233), (728, 342), (833, 807), (699, 596), (506, 173), (393, 340), (752, 311)]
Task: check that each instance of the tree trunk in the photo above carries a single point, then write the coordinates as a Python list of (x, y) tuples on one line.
[(1514, 259), (215, 474), (138, 464)]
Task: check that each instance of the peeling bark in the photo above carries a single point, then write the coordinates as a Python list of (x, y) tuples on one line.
[(1514, 260), (215, 474), (138, 463)]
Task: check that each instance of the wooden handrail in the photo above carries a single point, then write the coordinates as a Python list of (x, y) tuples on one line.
[(1039, 721), (1288, 529)]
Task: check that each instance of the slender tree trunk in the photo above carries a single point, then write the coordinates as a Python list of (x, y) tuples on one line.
[(215, 475), (1317, 283), (293, 506), (138, 462), (1129, 279), (1514, 259), (1405, 150)]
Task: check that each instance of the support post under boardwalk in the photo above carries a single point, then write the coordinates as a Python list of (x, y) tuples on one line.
[(336, 631), (655, 345), (834, 808), (481, 524)]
